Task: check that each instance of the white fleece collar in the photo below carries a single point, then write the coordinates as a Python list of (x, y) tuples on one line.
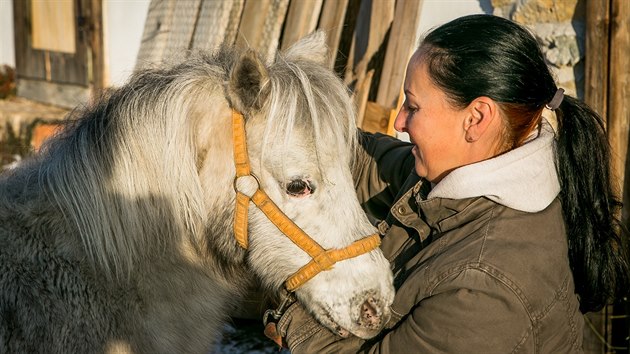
[(523, 179)]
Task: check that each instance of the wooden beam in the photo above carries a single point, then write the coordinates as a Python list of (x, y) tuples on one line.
[(99, 64), (597, 53), (217, 24), (261, 25), (361, 99), (301, 20), (370, 36), (619, 84), (402, 42), (29, 63), (168, 31), (619, 94), (331, 21)]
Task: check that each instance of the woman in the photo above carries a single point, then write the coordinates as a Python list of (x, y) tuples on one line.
[(506, 232)]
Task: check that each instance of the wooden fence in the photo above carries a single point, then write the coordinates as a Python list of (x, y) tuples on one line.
[(608, 92), (369, 50)]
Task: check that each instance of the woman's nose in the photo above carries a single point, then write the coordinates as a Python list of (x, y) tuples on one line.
[(400, 121)]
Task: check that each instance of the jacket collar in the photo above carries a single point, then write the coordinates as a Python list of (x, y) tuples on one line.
[(524, 179)]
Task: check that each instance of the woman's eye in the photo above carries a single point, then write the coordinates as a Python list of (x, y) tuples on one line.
[(299, 188), (411, 109)]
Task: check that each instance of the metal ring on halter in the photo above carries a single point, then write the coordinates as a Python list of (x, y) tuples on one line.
[(249, 175)]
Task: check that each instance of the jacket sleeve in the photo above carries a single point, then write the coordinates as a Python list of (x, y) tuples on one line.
[(382, 164), (485, 319)]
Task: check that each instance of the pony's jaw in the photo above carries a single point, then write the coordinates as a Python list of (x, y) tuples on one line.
[(352, 297)]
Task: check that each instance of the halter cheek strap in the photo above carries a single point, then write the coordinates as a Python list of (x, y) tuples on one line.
[(247, 187)]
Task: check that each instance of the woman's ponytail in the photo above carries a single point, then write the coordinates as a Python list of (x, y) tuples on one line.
[(597, 251)]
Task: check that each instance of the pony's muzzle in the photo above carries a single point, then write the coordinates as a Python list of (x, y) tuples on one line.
[(373, 315)]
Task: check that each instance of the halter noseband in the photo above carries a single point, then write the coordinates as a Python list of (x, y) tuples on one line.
[(321, 259)]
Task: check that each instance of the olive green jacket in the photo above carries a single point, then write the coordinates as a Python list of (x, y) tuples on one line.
[(472, 275)]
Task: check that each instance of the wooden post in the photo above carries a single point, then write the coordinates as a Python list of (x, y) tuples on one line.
[(607, 91), (301, 20), (618, 134), (331, 21), (373, 24), (619, 84), (261, 25), (217, 24), (402, 43), (99, 66), (597, 49), (597, 328)]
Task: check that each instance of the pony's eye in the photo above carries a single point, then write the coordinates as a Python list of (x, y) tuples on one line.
[(299, 188)]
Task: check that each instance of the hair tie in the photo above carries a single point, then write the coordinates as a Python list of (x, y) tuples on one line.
[(556, 100)]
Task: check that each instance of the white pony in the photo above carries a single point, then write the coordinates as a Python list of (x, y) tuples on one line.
[(118, 236)]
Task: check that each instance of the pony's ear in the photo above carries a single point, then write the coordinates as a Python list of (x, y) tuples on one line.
[(312, 47), (248, 80)]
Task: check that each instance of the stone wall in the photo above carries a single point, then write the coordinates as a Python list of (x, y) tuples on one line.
[(559, 26)]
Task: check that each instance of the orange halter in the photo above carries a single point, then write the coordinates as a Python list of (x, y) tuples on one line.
[(321, 259)]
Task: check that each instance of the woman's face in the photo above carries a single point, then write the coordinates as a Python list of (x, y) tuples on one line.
[(434, 126)]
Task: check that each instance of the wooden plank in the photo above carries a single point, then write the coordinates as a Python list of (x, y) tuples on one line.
[(332, 22), (156, 32), (394, 112), (373, 24), (217, 24), (361, 97), (597, 53), (261, 25), (96, 45), (344, 60), (401, 44), (301, 20), (72, 68), (185, 16), (376, 118), (29, 63), (66, 95), (53, 25), (619, 88), (168, 31)]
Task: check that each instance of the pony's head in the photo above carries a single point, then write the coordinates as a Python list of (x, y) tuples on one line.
[(301, 138), (147, 174)]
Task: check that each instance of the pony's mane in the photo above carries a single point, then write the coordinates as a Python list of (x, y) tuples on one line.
[(305, 95), (124, 174)]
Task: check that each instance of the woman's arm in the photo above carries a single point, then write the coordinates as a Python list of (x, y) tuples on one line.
[(382, 164), (484, 316)]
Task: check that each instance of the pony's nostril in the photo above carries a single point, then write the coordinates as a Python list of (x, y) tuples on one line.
[(369, 314)]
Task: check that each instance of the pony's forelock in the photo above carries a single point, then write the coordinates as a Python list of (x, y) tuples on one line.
[(300, 96)]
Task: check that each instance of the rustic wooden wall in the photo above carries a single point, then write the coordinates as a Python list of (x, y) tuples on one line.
[(368, 49)]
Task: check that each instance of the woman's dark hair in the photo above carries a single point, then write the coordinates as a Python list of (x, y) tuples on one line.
[(482, 55)]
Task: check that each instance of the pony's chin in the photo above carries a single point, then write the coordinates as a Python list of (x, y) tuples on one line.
[(359, 329)]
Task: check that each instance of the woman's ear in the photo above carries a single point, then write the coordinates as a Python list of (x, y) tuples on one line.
[(483, 113)]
